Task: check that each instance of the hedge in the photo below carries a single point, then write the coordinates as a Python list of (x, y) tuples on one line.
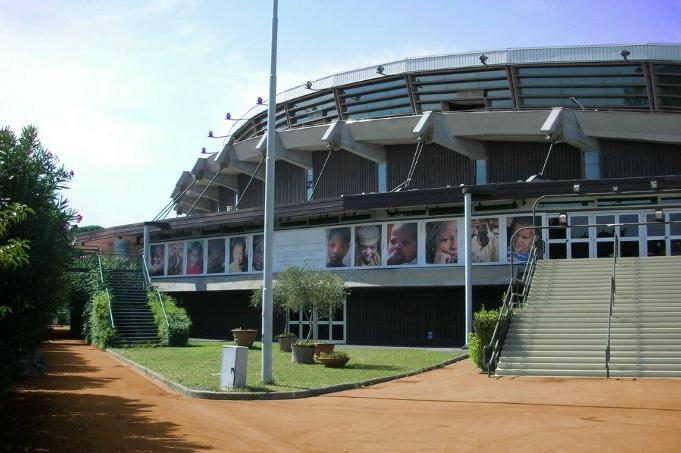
[(97, 327), (176, 331), (484, 322)]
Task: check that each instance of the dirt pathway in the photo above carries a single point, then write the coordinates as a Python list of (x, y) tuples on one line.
[(89, 401)]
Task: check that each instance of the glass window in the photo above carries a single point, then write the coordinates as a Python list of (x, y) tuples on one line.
[(462, 76), (629, 231), (579, 70), (580, 249), (481, 171), (313, 100), (654, 229), (500, 104), (462, 86), (675, 228), (556, 233), (576, 81), (657, 248), (385, 112), (592, 165), (350, 99), (670, 90), (594, 91), (668, 68), (587, 102), (629, 248), (557, 251), (604, 249), (382, 177), (579, 232), (377, 105), (605, 231), (375, 86), (675, 247), (498, 93)]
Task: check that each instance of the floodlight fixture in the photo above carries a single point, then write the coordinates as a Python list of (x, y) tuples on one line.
[(380, 70), (576, 188), (625, 54), (563, 219), (228, 117), (653, 184), (260, 101), (308, 85), (211, 135), (483, 59), (574, 100), (658, 215)]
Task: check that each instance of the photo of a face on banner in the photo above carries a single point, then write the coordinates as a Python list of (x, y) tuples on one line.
[(157, 260), (520, 244), (337, 247), (402, 244), (442, 242), (195, 257), (238, 254), (258, 252), (368, 245), (485, 240), (176, 258), (216, 256)]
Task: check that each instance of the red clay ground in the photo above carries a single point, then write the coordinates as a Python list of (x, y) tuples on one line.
[(89, 401)]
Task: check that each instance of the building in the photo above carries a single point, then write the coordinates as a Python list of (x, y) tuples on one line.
[(369, 175)]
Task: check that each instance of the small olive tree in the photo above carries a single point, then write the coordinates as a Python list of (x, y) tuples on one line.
[(308, 290)]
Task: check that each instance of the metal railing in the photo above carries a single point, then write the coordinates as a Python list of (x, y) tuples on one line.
[(103, 285), (516, 293), (148, 284), (615, 242)]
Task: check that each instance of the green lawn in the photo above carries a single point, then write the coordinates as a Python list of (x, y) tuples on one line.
[(198, 365)]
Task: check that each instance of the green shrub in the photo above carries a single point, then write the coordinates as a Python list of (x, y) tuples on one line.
[(97, 328), (176, 331), (484, 322)]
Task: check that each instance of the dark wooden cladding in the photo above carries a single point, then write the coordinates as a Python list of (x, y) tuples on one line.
[(290, 182), (226, 198), (345, 174), (513, 161), (215, 313), (404, 316), (290, 187), (437, 167), (254, 197), (621, 159)]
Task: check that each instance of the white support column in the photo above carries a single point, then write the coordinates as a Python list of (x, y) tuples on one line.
[(145, 255), (269, 209), (468, 260)]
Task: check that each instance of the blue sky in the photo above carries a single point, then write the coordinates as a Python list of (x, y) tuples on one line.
[(124, 92)]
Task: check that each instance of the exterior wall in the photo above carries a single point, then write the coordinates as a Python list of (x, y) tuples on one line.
[(226, 197), (215, 313), (290, 184), (622, 159), (404, 316), (513, 161), (437, 167), (345, 174)]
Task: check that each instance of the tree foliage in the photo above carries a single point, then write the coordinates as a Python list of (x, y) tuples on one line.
[(312, 291), (35, 241)]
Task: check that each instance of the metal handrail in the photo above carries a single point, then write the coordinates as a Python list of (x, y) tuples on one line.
[(492, 351), (108, 297), (613, 288), (147, 281)]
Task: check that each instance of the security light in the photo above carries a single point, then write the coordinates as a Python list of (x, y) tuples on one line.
[(380, 69), (562, 219), (483, 59), (575, 188), (575, 101), (260, 101), (615, 188), (658, 214), (653, 184), (625, 53), (308, 85), (203, 150), (210, 134)]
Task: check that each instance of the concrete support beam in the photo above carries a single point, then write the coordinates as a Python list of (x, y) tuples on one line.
[(434, 129), (196, 191), (228, 159), (563, 125), (204, 205), (299, 158), (338, 136)]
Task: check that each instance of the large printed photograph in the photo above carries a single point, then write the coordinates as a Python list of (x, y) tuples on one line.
[(238, 254), (157, 260), (485, 240), (216, 256), (521, 232), (442, 242), (402, 243), (368, 245), (195, 257), (338, 247), (176, 258)]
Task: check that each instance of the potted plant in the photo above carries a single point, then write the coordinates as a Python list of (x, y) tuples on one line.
[(333, 360), (244, 337), (302, 352), (325, 347), (286, 340)]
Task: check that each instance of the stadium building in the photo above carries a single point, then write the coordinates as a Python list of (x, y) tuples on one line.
[(372, 171)]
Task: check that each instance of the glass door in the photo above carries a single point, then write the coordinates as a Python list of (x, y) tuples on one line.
[(605, 235), (675, 234), (630, 241), (656, 237), (578, 236)]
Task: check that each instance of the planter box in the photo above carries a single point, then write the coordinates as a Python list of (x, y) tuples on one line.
[(326, 348), (285, 343), (333, 362), (302, 354), (245, 337)]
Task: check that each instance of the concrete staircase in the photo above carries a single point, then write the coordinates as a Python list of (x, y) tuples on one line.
[(132, 316), (563, 329)]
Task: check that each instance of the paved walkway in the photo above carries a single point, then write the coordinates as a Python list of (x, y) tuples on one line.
[(89, 401)]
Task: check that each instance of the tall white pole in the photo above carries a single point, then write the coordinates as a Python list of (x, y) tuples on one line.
[(468, 260), (269, 210)]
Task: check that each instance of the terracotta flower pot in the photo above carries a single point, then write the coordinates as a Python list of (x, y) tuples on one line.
[(326, 348), (333, 362), (244, 337), (302, 354), (285, 343)]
